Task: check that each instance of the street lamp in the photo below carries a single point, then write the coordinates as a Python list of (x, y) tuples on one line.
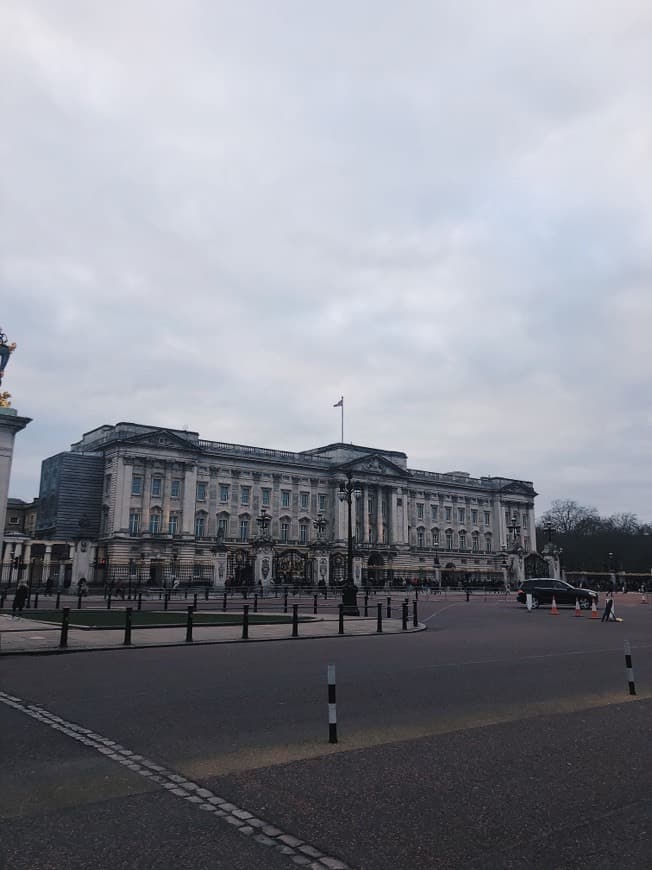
[(263, 524), (348, 491), (320, 525), (514, 528)]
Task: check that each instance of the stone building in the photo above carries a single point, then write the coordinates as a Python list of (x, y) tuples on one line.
[(162, 505)]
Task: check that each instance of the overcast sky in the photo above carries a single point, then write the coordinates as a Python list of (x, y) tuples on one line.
[(226, 215)]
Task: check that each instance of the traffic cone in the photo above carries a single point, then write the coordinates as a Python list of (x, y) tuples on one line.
[(553, 608), (594, 610), (578, 612)]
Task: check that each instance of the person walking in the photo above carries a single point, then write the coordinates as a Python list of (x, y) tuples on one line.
[(20, 598), (608, 608)]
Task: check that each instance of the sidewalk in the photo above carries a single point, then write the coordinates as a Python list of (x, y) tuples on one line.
[(29, 637)]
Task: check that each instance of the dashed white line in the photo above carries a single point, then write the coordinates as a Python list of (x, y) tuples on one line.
[(246, 823)]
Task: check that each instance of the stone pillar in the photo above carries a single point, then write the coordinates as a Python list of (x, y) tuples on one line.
[(81, 562), (406, 517), (189, 499), (10, 424), (219, 571), (45, 571), (393, 517), (364, 538), (263, 566), (380, 491)]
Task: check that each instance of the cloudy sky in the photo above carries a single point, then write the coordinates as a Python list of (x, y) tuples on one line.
[(225, 215)]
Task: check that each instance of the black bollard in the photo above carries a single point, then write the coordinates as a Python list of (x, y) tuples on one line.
[(295, 620), (165, 601), (189, 625), (79, 598), (2, 599), (194, 601), (256, 602), (340, 630), (127, 640), (185, 592), (415, 615), (57, 601), (379, 625), (366, 604), (314, 604), (245, 622), (405, 615), (224, 601), (389, 608), (108, 601), (36, 601), (285, 601), (140, 600), (206, 594), (63, 640)]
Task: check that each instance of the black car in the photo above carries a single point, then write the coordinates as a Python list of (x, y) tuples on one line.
[(543, 588)]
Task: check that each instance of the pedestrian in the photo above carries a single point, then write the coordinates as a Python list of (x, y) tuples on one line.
[(608, 608), (22, 593), (48, 586), (82, 588)]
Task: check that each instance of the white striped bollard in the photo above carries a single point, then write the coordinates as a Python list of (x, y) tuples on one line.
[(332, 706), (629, 668)]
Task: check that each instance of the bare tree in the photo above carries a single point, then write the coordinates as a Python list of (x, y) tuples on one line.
[(568, 517), (625, 523)]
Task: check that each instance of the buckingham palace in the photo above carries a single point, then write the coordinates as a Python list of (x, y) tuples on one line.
[(162, 506)]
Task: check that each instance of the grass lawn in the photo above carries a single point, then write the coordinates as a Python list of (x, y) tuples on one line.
[(116, 618)]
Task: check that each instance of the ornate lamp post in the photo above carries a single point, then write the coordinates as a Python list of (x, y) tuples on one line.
[(263, 524), (320, 525), (515, 529), (348, 491)]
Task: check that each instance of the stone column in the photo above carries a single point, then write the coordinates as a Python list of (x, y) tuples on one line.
[(45, 570), (189, 499), (10, 424), (81, 562), (364, 538), (219, 574), (406, 516), (379, 513)]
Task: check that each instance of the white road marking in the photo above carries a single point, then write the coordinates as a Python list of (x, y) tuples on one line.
[(432, 615), (247, 824)]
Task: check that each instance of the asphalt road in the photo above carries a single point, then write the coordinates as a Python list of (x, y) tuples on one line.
[(497, 739)]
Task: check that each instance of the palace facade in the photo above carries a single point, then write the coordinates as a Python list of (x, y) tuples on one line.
[(159, 505)]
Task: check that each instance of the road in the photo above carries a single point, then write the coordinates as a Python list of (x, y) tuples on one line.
[(496, 739)]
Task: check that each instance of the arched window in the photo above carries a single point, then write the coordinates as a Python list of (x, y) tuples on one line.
[(244, 527), (435, 537), (462, 539), (222, 526), (284, 529), (304, 529), (200, 524), (487, 542), (421, 537), (449, 539), (155, 522), (475, 542)]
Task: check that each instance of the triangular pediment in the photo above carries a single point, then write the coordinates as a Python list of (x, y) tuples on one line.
[(374, 463), (162, 439)]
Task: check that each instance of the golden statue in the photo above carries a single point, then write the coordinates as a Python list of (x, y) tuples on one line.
[(6, 351), (4, 400)]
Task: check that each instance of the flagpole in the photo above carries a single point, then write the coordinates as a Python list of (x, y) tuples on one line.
[(342, 441)]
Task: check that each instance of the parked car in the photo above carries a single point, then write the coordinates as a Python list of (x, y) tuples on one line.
[(543, 588)]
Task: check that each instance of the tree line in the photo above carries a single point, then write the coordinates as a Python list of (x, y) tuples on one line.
[(591, 542)]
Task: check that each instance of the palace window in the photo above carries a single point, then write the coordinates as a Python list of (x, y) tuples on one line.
[(285, 498), (222, 524), (419, 511), (224, 492), (487, 543), (487, 518), (524, 521), (449, 514), (244, 529), (420, 538), (285, 529), (462, 538), (475, 542), (449, 540), (305, 500), (154, 523), (322, 502), (460, 515), (137, 484), (175, 488), (435, 537), (173, 524), (157, 486), (244, 494), (474, 517), (266, 496), (134, 522), (201, 492), (303, 533), (434, 510), (107, 484), (200, 526)]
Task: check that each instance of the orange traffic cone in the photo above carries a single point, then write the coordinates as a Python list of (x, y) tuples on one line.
[(553, 609), (578, 612), (594, 610)]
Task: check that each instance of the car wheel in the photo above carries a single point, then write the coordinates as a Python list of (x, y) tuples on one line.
[(535, 603), (585, 603)]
